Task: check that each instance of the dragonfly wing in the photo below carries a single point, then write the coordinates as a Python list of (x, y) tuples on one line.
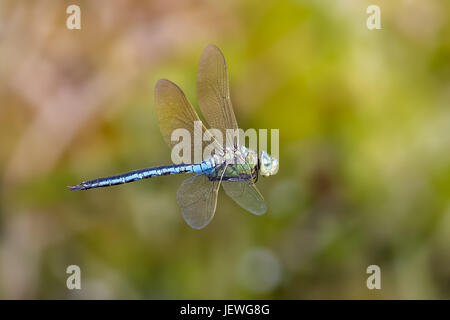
[(213, 91), (213, 94), (197, 198), (175, 112), (246, 195)]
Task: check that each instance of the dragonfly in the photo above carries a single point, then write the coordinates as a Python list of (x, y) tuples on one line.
[(232, 165)]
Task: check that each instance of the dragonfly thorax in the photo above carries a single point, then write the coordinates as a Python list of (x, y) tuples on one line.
[(237, 156), (242, 159), (234, 164)]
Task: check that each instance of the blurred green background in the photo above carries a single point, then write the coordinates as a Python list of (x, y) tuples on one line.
[(364, 125)]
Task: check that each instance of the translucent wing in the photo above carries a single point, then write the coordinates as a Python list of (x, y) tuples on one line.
[(213, 94), (213, 91), (246, 195), (175, 112), (197, 199)]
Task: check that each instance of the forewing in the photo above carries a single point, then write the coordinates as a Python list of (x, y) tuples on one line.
[(175, 112), (197, 199), (246, 195), (213, 92)]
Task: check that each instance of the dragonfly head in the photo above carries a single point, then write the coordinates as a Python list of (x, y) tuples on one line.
[(268, 166)]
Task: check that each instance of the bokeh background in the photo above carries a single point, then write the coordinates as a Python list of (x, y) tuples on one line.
[(364, 125)]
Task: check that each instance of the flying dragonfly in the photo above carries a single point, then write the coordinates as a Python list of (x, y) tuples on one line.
[(232, 165)]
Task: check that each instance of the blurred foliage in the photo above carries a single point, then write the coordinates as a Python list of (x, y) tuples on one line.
[(364, 149)]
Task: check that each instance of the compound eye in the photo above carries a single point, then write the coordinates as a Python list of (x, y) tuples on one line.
[(266, 164), (274, 166)]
